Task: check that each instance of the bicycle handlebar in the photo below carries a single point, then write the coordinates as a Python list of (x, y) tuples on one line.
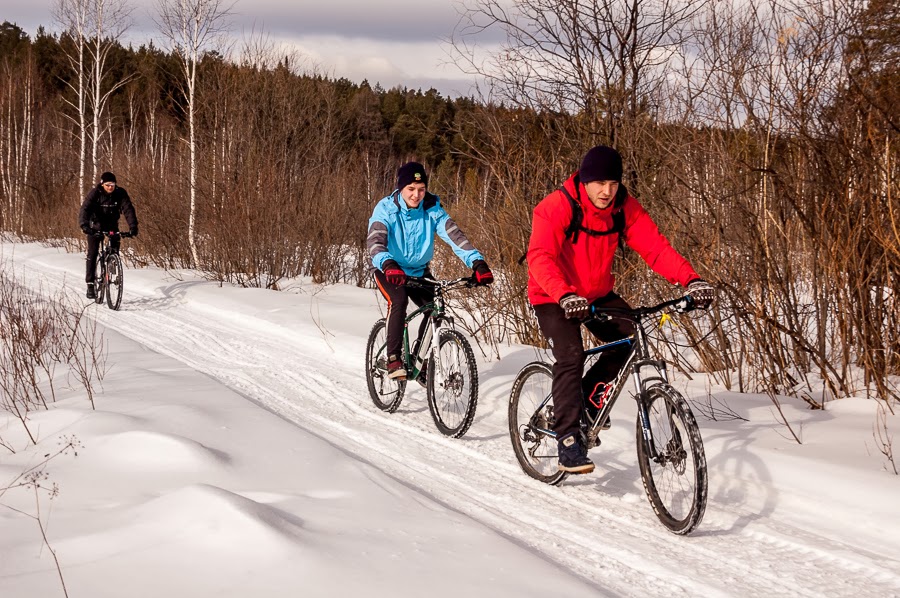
[(112, 233), (681, 305), (421, 281)]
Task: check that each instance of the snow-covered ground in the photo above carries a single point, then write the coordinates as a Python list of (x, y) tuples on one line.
[(234, 452)]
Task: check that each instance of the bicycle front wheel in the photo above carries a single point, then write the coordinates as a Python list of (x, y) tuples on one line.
[(386, 393), (531, 421), (452, 386), (115, 279), (675, 479)]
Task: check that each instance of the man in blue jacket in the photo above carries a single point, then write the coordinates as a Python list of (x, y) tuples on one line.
[(401, 244)]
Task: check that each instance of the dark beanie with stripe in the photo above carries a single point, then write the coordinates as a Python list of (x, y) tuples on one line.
[(411, 172)]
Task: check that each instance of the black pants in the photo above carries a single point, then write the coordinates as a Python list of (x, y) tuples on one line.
[(398, 299), (93, 249), (564, 335)]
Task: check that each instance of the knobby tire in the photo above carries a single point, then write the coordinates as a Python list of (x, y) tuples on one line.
[(115, 281), (536, 452), (452, 400), (677, 484)]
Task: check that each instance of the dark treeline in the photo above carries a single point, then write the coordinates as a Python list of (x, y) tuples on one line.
[(764, 148)]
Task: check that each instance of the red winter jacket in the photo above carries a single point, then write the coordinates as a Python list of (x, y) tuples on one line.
[(556, 266)]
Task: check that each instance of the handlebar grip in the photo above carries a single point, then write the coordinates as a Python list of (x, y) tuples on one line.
[(685, 304)]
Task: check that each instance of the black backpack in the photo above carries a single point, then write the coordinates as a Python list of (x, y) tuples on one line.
[(576, 225)]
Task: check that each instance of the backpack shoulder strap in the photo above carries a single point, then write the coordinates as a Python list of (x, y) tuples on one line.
[(577, 214), (619, 215)]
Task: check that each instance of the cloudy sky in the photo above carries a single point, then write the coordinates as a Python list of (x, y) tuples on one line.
[(389, 41)]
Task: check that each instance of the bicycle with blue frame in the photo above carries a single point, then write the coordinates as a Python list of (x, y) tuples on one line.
[(669, 446), (444, 358), (109, 275)]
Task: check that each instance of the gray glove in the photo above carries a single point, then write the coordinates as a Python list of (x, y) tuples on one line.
[(575, 306), (702, 293)]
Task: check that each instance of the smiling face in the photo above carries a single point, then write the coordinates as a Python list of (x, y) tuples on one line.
[(602, 193), (413, 194)]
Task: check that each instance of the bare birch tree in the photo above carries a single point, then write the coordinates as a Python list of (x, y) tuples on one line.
[(192, 27), (73, 16), (17, 137), (109, 19)]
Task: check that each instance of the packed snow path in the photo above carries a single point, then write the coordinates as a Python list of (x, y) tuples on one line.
[(302, 356)]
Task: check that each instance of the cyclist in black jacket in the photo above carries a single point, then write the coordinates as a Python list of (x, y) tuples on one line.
[(100, 214)]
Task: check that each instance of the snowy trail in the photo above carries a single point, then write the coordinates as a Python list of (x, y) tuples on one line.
[(610, 538)]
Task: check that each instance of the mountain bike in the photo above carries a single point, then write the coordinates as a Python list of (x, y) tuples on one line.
[(443, 361), (109, 276), (669, 447)]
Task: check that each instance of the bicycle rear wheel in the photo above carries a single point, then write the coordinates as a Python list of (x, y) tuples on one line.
[(676, 480), (452, 385), (100, 280), (386, 393), (115, 280), (530, 420)]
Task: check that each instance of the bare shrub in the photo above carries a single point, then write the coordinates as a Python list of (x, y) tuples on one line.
[(37, 334), (884, 440), (37, 479)]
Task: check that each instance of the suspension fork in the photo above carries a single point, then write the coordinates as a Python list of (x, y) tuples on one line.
[(642, 385)]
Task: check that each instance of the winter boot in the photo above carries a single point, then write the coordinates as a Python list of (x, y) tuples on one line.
[(395, 368), (91, 294), (572, 455)]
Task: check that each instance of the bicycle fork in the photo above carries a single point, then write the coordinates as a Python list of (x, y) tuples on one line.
[(642, 386)]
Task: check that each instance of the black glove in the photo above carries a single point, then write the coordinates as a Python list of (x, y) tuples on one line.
[(575, 306), (483, 274), (86, 230), (702, 293), (99, 234), (394, 273)]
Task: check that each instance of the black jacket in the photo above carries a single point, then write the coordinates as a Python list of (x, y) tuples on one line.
[(100, 211)]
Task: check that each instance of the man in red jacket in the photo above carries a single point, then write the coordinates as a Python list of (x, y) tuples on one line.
[(570, 269)]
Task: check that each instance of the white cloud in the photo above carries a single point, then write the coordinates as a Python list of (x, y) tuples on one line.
[(392, 42)]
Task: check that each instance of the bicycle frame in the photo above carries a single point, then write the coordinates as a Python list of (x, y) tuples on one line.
[(436, 320), (638, 359), (106, 249)]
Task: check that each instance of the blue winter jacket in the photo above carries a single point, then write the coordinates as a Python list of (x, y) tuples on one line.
[(406, 235)]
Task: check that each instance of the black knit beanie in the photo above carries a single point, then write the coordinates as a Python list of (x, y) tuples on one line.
[(107, 177), (411, 172), (601, 163)]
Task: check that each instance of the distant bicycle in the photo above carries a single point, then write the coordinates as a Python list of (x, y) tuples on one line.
[(109, 276), (443, 362), (669, 446)]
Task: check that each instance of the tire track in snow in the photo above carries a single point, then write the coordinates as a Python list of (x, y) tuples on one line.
[(615, 544)]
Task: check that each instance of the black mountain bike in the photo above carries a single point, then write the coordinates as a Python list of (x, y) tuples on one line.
[(109, 276), (443, 361), (669, 446)]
